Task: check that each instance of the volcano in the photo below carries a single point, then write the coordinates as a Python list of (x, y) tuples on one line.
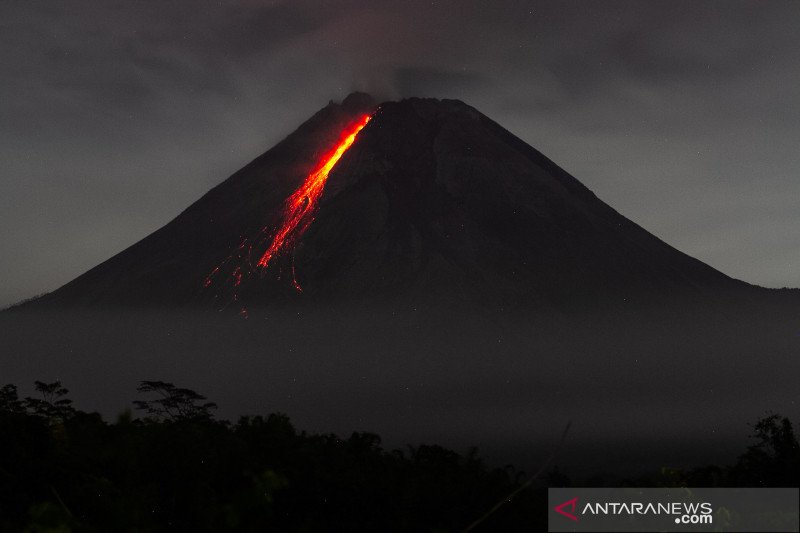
[(413, 268), (428, 199)]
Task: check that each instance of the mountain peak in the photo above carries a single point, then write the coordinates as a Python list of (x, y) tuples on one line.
[(422, 196), (357, 101)]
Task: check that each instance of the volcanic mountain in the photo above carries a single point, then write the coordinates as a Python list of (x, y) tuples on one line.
[(431, 198), (413, 268)]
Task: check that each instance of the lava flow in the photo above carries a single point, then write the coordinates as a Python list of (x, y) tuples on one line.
[(301, 204), (296, 217)]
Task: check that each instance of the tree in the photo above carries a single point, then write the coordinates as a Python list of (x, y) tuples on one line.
[(54, 405), (774, 461), (9, 400), (174, 403)]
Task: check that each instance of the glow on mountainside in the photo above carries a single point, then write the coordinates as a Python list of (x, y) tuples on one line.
[(295, 218), (301, 204)]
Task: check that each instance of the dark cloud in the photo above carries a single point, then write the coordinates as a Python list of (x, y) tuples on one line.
[(435, 82), (114, 116), (247, 32)]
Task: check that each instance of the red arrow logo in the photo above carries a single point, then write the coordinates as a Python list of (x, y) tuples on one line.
[(571, 504)]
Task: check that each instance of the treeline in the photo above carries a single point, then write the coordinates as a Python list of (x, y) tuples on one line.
[(177, 467)]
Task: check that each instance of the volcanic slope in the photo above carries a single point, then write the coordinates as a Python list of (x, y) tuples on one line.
[(432, 199)]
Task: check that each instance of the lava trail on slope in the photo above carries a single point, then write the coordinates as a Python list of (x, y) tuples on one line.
[(296, 216)]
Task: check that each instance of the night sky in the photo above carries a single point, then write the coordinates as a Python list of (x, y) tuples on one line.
[(115, 116)]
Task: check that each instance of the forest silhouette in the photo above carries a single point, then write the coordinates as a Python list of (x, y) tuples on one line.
[(177, 467)]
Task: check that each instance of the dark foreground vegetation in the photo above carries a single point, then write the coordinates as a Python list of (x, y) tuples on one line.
[(178, 468)]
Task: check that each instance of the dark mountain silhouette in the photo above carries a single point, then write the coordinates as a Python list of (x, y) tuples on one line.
[(433, 200)]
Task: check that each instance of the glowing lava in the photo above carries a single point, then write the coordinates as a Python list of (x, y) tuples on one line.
[(296, 217), (301, 204)]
